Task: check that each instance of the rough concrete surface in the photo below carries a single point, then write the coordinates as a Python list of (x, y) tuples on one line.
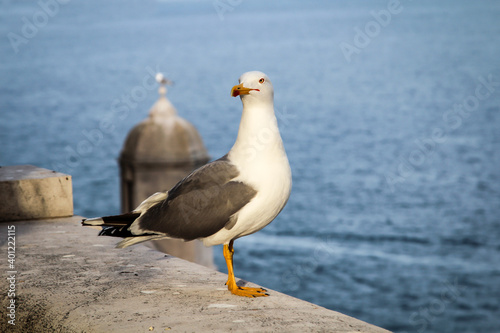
[(30, 192), (70, 280)]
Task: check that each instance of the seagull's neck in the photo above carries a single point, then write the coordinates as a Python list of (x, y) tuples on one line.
[(259, 139)]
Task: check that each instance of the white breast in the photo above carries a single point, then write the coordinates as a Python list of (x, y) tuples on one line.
[(265, 167), (274, 186)]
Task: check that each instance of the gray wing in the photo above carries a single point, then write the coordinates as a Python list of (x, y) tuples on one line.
[(199, 205)]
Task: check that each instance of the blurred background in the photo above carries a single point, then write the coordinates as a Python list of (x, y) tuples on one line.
[(389, 110)]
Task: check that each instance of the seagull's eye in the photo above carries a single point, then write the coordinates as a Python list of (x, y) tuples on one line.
[(261, 80)]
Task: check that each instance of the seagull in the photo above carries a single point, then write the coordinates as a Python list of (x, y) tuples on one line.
[(234, 196)]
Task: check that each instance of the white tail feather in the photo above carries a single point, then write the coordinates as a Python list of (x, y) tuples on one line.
[(94, 221), (150, 201), (135, 240)]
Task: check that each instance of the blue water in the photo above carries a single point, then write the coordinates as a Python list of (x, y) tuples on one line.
[(394, 216)]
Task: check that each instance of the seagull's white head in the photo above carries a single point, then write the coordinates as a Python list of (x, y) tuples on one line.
[(254, 87)]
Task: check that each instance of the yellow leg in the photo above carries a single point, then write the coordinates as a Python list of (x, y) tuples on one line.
[(231, 282)]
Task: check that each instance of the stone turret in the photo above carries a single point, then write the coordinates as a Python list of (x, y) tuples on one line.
[(157, 153)]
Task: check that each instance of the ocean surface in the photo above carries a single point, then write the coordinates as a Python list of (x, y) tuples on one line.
[(389, 110)]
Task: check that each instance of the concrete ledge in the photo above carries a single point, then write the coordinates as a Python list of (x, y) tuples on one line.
[(69, 280), (29, 192)]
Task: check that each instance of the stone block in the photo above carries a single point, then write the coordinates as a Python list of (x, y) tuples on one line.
[(30, 192)]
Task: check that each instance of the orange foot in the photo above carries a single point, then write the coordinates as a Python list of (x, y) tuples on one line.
[(231, 282), (247, 291)]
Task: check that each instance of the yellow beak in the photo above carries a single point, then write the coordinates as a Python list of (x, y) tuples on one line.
[(240, 90)]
